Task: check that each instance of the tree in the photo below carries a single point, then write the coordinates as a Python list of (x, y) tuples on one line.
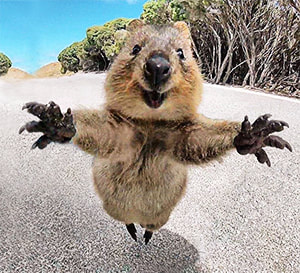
[(117, 24), (163, 12), (97, 50), (103, 45), (156, 12), (5, 64), (248, 42), (70, 57)]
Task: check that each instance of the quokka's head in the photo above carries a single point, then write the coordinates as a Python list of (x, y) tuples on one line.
[(155, 75)]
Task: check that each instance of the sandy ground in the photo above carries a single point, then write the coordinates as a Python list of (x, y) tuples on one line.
[(237, 216)]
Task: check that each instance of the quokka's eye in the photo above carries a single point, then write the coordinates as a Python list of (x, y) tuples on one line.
[(136, 49), (180, 53)]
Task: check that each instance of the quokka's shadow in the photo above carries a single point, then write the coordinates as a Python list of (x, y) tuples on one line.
[(166, 252), (51, 221), (52, 236)]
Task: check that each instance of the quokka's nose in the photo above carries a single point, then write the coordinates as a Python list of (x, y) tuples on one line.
[(157, 71)]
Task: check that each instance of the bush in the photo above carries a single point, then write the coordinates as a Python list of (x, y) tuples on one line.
[(163, 11), (70, 57), (97, 50), (117, 24), (5, 64), (248, 42)]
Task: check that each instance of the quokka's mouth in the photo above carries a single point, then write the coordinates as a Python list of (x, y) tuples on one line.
[(153, 98)]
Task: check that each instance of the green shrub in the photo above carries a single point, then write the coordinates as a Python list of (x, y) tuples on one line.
[(117, 24), (97, 50), (70, 57), (5, 64)]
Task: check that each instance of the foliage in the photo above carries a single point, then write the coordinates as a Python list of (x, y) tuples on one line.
[(97, 50), (166, 11), (196, 9), (157, 12), (178, 12), (117, 24), (70, 57), (248, 42), (5, 64), (163, 11), (103, 38)]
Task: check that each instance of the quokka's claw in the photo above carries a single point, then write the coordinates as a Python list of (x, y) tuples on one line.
[(50, 111), (278, 142), (68, 117), (261, 121), (36, 109), (30, 105), (266, 116), (41, 143), (263, 127), (34, 145), (283, 123), (22, 129), (276, 126), (246, 125), (33, 126), (53, 111), (288, 146), (262, 157)]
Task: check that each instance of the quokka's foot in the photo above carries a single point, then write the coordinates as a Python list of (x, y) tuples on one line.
[(54, 125), (147, 235), (132, 231), (252, 138)]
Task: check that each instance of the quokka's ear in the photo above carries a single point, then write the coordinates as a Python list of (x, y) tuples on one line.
[(134, 25), (183, 29)]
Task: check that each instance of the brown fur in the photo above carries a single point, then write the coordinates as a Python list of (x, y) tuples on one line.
[(141, 153)]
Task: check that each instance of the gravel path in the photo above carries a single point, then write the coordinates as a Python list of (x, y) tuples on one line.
[(237, 216)]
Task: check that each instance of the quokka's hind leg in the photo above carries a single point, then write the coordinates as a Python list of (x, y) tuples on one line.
[(132, 231), (147, 235)]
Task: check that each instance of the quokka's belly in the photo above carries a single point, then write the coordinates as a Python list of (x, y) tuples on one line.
[(135, 194)]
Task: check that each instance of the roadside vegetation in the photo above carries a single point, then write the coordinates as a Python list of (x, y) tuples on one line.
[(5, 64), (253, 43), (97, 50)]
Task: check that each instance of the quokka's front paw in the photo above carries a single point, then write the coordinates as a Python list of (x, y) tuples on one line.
[(252, 138), (54, 125)]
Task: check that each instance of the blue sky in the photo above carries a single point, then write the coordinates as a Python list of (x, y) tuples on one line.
[(33, 32)]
